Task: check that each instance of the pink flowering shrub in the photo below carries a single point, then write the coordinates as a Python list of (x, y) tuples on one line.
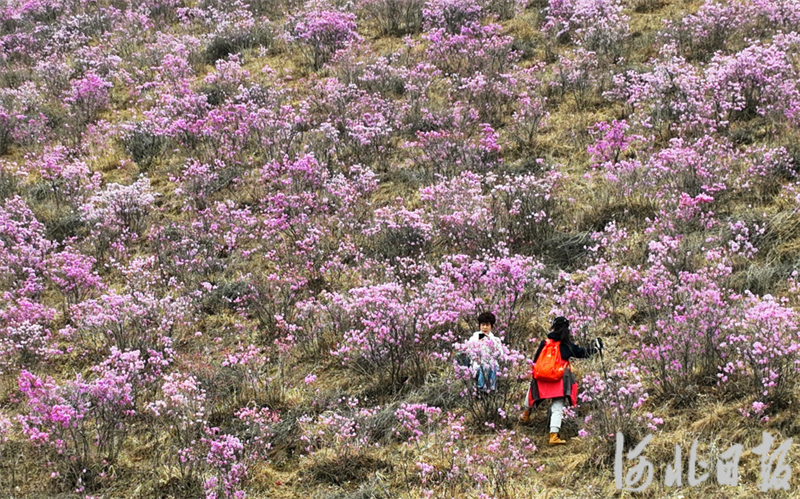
[(349, 195), (671, 98), (500, 462), (613, 140), (711, 28), (419, 84), (529, 117), (463, 286), (129, 320), (694, 175), (28, 331), (616, 404), (84, 420), (234, 28), (197, 182), (363, 121), (24, 249), (459, 211), (336, 435), (525, 210), (183, 400), (448, 152), (321, 33), (397, 231), (192, 250), (472, 49), (415, 421), (384, 337), (759, 80), (180, 410), (596, 25), (492, 96), (225, 458), (451, 15), (576, 75), (85, 99), (69, 180), (592, 297), (760, 349), (291, 190), (226, 79), (260, 424), (116, 212), (22, 344), (688, 313), (677, 95), (22, 121), (199, 451), (449, 440), (120, 207), (377, 74), (26, 334), (706, 31), (73, 274)]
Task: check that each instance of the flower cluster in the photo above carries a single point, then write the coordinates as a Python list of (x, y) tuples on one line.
[(324, 32)]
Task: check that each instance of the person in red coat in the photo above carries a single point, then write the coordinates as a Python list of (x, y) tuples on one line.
[(564, 391)]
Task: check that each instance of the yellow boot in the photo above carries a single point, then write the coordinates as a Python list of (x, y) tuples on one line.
[(554, 440)]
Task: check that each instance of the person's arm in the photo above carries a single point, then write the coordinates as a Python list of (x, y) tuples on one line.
[(573, 350)]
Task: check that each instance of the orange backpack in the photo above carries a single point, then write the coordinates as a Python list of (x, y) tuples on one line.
[(549, 366)]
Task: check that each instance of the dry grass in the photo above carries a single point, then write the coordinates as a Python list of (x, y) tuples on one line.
[(581, 469)]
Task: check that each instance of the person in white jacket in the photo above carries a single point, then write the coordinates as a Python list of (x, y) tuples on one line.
[(482, 351)]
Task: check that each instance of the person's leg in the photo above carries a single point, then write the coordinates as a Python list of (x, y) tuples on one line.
[(479, 378), (526, 414), (493, 379), (555, 421)]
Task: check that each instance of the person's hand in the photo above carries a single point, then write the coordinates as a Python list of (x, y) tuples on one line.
[(598, 344)]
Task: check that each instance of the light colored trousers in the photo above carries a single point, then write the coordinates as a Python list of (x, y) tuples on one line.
[(555, 415)]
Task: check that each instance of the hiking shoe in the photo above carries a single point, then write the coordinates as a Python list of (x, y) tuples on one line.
[(554, 440)]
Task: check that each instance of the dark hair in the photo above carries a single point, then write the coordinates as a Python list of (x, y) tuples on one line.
[(486, 318), (561, 327)]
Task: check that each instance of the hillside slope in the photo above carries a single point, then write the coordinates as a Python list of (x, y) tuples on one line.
[(242, 243)]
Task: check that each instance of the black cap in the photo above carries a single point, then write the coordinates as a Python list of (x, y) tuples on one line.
[(560, 321)]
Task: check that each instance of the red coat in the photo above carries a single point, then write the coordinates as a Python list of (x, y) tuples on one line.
[(543, 390)]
